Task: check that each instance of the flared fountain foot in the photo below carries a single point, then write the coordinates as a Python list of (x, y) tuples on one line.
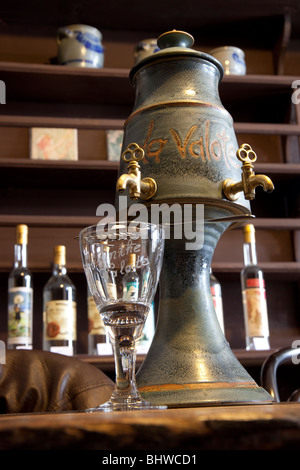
[(126, 405)]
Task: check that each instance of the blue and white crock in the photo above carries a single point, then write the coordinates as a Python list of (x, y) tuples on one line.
[(80, 46), (232, 59)]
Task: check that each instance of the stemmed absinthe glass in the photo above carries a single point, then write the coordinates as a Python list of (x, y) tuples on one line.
[(122, 263)]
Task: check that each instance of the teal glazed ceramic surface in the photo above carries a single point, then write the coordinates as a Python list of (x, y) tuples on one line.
[(190, 362), (178, 119)]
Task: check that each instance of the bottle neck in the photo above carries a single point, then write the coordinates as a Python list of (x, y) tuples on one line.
[(59, 261), (250, 257), (59, 269), (20, 259)]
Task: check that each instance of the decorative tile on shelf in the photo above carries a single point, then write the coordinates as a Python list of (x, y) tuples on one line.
[(114, 139), (53, 144)]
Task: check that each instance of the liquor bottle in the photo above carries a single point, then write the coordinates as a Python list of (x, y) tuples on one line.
[(60, 308), (254, 295), (20, 295), (110, 283), (216, 292), (131, 280), (97, 340)]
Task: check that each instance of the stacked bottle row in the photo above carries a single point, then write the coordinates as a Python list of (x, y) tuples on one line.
[(59, 302), (60, 307)]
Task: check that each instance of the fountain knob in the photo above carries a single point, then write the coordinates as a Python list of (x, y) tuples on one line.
[(249, 181), (175, 39)]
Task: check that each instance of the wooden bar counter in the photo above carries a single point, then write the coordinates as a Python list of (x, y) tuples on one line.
[(242, 427)]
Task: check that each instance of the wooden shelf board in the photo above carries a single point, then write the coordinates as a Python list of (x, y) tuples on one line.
[(96, 123), (272, 168), (78, 221), (291, 269), (47, 221), (61, 122), (51, 95), (267, 129), (259, 80), (92, 165), (202, 19)]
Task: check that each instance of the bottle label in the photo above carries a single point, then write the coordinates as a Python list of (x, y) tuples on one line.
[(60, 319), (131, 290), (20, 301), (111, 290), (95, 323), (254, 299)]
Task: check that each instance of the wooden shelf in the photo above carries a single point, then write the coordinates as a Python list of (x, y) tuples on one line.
[(58, 96), (97, 174), (57, 199), (91, 168), (276, 269), (106, 165), (265, 128), (59, 84), (47, 221)]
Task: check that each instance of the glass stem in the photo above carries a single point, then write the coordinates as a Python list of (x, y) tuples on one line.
[(125, 362)]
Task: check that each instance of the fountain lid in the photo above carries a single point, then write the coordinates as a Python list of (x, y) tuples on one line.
[(176, 43)]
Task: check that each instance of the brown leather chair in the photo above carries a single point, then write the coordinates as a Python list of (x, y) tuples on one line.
[(41, 381), (269, 371)]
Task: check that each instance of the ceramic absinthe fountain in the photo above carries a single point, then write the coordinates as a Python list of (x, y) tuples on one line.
[(180, 151)]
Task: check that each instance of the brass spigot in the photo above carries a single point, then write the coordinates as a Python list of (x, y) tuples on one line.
[(250, 181), (138, 188)]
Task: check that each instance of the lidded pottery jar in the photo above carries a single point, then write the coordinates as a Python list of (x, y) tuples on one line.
[(178, 119), (80, 45), (179, 146)]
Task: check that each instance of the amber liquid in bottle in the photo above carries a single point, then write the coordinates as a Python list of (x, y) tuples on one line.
[(254, 296)]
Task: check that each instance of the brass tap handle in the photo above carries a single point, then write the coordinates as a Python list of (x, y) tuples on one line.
[(245, 153), (138, 188), (133, 153), (249, 181)]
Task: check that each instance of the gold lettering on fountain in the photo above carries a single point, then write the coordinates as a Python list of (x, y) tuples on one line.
[(192, 146)]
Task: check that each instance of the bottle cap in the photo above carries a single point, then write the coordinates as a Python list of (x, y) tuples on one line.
[(22, 234), (132, 259), (60, 255), (249, 233)]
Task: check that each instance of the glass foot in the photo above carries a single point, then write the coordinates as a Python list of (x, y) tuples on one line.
[(125, 406)]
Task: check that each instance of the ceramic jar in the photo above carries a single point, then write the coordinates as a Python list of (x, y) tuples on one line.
[(80, 46), (145, 48), (232, 59)]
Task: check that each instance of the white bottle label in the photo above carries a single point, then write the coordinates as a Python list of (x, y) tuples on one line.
[(20, 300), (60, 318), (95, 323), (254, 299)]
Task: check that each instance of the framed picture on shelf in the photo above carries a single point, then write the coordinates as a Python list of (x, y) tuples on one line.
[(114, 139), (53, 144)]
